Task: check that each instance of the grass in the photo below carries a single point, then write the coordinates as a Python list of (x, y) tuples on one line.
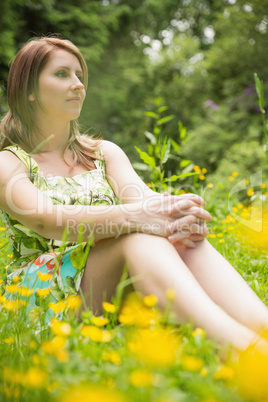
[(139, 354)]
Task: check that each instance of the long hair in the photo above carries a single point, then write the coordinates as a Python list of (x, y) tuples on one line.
[(18, 125)]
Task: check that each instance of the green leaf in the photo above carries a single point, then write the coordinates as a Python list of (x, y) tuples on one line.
[(174, 177), (140, 166), (151, 114), (187, 174), (149, 160), (176, 147), (162, 109), (150, 137), (182, 130), (185, 162), (165, 151), (259, 90), (165, 119)]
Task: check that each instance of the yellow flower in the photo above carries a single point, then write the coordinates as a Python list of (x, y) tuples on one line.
[(224, 373), (221, 241), (57, 307), (197, 169), (2, 299), (43, 292), (212, 235), (210, 185), (99, 321), (240, 206), (44, 277), (11, 305), (134, 312), (35, 378), (202, 177), (235, 174), (204, 170), (157, 348), (15, 279), (9, 340), (24, 291), (250, 192), (96, 334), (170, 294), (150, 301), (141, 378), (192, 363), (112, 356), (219, 235), (91, 393), (10, 255), (204, 372), (60, 328), (62, 355), (2, 229), (12, 288), (108, 307), (231, 178), (246, 182), (263, 185), (199, 332), (73, 302), (51, 347)]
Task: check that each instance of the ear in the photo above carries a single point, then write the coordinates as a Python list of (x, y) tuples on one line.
[(31, 98)]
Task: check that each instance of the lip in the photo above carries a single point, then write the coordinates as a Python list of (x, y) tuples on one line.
[(74, 99)]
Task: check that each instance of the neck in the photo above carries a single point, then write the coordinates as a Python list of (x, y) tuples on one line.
[(52, 136)]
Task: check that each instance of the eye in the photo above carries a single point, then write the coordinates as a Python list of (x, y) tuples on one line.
[(80, 77), (61, 74)]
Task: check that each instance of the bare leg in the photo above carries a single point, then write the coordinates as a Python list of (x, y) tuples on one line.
[(156, 259), (225, 286)]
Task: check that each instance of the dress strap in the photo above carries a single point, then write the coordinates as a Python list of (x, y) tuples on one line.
[(25, 158)]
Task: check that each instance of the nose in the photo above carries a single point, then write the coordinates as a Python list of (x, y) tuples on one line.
[(77, 84)]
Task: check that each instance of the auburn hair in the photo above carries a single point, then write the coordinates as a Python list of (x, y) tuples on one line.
[(18, 125)]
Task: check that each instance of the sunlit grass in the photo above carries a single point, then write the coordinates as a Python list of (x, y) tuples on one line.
[(132, 353)]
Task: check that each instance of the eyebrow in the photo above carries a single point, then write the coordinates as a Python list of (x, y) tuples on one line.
[(68, 68)]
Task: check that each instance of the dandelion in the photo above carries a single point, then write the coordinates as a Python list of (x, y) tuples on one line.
[(210, 185), (157, 348), (96, 334), (24, 291), (57, 307), (221, 241), (204, 372), (219, 235), (235, 174), (85, 393), (250, 192), (251, 374), (246, 182), (60, 328), (197, 169), (202, 177), (112, 356), (263, 185), (10, 255), (240, 206), (224, 373), (3, 299), (35, 378), (9, 340), (51, 347), (108, 307), (99, 321), (231, 178), (11, 305), (12, 288), (204, 170), (16, 279), (212, 235), (2, 229), (43, 292), (44, 277), (199, 332), (170, 294), (141, 378), (192, 363), (150, 301), (73, 302)]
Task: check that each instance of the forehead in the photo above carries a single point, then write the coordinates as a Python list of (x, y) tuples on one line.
[(62, 58)]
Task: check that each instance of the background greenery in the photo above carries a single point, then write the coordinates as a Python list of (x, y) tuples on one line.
[(198, 56)]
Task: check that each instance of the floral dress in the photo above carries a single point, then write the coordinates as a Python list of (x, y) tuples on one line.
[(35, 255)]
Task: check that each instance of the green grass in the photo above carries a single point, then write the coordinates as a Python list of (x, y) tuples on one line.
[(161, 362)]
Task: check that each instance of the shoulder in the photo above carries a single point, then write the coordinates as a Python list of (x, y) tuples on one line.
[(111, 151), (10, 163)]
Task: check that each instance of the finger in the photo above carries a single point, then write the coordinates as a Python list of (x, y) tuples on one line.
[(194, 210), (186, 243), (189, 196), (187, 224)]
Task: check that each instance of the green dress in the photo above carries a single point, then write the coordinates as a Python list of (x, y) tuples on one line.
[(34, 253)]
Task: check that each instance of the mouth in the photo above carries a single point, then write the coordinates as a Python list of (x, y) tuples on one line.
[(75, 99)]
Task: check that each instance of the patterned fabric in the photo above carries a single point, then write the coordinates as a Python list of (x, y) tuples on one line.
[(34, 253)]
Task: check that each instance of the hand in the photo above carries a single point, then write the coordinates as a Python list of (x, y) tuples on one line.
[(186, 231)]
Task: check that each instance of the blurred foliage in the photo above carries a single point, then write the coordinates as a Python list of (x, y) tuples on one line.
[(199, 57)]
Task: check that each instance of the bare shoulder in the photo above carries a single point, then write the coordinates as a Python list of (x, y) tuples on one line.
[(112, 152), (10, 164)]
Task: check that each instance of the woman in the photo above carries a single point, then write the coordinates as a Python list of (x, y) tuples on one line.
[(57, 183)]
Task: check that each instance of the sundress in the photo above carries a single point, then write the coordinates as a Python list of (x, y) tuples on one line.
[(34, 255)]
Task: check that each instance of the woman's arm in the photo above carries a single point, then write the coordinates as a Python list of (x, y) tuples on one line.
[(25, 202)]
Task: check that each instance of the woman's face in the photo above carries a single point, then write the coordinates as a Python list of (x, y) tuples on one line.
[(61, 92)]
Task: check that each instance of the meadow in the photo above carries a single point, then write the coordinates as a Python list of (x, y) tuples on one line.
[(134, 352)]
